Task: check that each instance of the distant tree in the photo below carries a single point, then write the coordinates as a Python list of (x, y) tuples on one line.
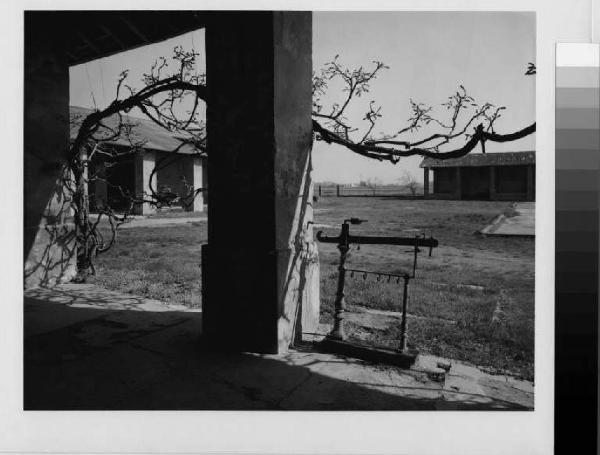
[(410, 183), (372, 182)]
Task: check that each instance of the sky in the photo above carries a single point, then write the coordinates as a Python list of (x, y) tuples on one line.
[(429, 55)]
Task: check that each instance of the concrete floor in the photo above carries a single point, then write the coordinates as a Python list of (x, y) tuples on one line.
[(89, 348), (521, 225)]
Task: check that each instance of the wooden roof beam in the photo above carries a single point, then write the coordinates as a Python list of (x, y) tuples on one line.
[(111, 34), (135, 30), (89, 44)]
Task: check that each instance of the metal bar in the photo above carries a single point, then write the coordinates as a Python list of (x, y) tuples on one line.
[(406, 241), (338, 332), (416, 253), (395, 275), (404, 308), (374, 240)]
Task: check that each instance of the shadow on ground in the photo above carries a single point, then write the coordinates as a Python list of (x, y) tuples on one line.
[(91, 349)]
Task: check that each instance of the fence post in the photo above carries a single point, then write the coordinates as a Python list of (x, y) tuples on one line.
[(337, 190)]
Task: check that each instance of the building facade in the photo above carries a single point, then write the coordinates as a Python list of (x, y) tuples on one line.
[(506, 176), (118, 172)]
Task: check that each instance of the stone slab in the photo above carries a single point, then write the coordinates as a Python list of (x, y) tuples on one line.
[(520, 225)]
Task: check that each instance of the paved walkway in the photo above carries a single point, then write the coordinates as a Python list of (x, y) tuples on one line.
[(522, 224), (89, 348)]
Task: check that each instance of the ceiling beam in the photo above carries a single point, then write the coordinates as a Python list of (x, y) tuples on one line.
[(120, 31), (91, 45), (135, 30), (113, 35)]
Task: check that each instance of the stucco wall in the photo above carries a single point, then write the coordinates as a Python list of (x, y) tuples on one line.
[(297, 255), (49, 241), (171, 174)]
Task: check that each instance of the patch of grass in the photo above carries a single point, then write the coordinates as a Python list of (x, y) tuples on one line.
[(158, 263), (176, 213)]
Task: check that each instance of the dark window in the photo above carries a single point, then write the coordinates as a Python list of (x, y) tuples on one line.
[(475, 182), (511, 179), (444, 180)]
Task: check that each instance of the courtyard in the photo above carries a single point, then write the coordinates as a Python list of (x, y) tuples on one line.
[(472, 300)]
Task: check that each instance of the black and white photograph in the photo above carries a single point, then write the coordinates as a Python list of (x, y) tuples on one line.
[(279, 210)]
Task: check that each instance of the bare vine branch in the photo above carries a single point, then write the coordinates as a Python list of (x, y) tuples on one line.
[(468, 121)]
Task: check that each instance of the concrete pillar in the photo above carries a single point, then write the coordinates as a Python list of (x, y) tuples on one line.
[(530, 183), (458, 183), (49, 233), (259, 236), (143, 165), (492, 183), (426, 182), (196, 180)]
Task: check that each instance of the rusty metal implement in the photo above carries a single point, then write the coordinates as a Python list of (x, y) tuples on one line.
[(343, 241)]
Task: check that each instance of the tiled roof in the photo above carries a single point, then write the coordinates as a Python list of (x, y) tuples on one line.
[(154, 137), (483, 159)]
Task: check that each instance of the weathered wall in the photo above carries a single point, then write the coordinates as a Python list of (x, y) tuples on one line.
[(258, 111), (143, 165), (297, 256), (49, 241), (198, 165), (124, 173)]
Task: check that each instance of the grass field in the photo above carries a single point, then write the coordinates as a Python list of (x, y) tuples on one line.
[(451, 319), (489, 325)]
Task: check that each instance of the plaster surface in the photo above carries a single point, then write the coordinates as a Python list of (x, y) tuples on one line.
[(49, 239)]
